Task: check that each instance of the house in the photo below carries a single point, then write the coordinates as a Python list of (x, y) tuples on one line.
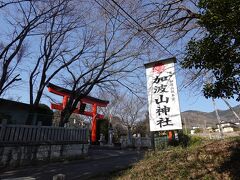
[(210, 129), (227, 126), (192, 131), (20, 113)]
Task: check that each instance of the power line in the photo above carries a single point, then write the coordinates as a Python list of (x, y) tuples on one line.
[(141, 27), (131, 22), (111, 13)]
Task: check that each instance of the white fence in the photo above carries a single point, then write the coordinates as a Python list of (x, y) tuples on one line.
[(20, 134)]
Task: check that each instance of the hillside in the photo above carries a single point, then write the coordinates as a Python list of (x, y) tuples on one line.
[(202, 119), (227, 115), (210, 160)]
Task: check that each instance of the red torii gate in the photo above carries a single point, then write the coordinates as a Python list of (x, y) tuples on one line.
[(65, 93)]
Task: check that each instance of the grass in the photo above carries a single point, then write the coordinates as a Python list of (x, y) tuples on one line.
[(201, 160)]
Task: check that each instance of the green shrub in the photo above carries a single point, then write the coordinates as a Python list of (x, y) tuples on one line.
[(195, 140), (198, 130), (187, 140)]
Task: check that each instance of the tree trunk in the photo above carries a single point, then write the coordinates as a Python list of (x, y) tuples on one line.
[(38, 97), (65, 115), (32, 114)]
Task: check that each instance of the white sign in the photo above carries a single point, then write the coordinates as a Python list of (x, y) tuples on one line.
[(163, 105)]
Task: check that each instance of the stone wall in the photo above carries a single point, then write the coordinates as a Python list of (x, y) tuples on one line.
[(19, 155)]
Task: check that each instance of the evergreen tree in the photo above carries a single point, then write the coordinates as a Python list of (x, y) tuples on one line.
[(218, 51)]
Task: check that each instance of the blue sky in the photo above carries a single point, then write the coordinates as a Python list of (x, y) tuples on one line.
[(188, 100), (200, 103)]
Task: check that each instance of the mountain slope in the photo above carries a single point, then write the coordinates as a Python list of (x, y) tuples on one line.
[(204, 119)]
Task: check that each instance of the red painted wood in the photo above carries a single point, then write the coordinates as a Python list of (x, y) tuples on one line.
[(86, 113), (57, 106), (56, 92), (87, 100), (94, 124), (65, 100)]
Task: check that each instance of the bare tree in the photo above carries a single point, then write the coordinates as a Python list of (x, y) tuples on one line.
[(28, 17), (114, 55), (130, 110), (57, 47), (11, 2), (168, 24), (172, 18)]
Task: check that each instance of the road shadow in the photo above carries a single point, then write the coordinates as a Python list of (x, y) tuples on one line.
[(102, 163)]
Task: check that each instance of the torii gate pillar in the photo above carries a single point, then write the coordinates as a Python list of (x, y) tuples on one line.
[(65, 93), (94, 123)]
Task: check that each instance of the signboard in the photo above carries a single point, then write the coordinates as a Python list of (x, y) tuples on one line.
[(163, 105)]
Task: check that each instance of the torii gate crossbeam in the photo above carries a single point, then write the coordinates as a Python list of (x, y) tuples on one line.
[(94, 102)]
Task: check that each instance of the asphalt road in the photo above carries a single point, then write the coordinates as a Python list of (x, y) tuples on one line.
[(99, 162)]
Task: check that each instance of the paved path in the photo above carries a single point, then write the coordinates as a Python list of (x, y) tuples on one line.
[(99, 162)]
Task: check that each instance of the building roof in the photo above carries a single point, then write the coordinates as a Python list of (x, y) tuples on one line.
[(6, 102), (224, 122), (16, 104)]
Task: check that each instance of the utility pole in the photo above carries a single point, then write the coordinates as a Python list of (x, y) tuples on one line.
[(185, 125), (230, 107), (218, 118)]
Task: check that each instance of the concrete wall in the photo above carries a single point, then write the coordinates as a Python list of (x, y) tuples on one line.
[(137, 142), (16, 155)]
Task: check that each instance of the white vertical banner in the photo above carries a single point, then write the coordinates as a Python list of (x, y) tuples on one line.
[(163, 104)]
